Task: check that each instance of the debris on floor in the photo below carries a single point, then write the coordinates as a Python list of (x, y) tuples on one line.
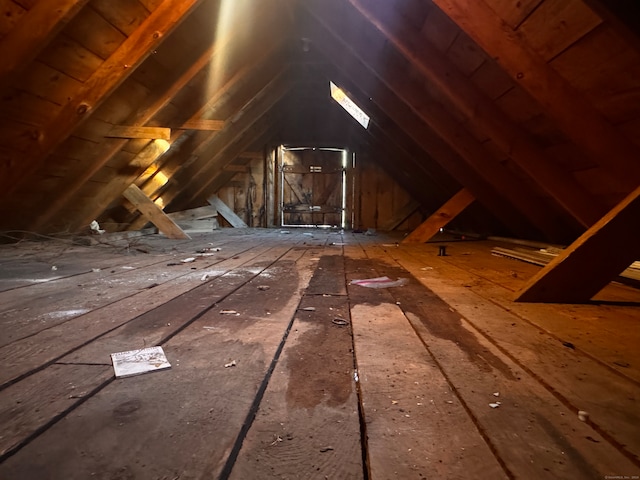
[(230, 364), (136, 362), (341, 322), (380, 282), (229, 312)]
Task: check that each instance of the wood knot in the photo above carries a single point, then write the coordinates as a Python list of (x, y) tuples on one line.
[(519, 75), (82, 109), (157, 34)]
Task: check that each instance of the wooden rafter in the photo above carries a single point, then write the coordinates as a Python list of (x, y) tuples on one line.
[(226, 212), (154, 214), (211, 155), (434, 115), (23, 43), (482, 111), (580, 121), (592, 261), (440, 218), (102, 82), (404, 123)]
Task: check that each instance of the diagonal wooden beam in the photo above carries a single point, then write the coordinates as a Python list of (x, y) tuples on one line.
[(580, 121), (102, 82), (482, 112), (226, 212), (429, 111), (439, 219), (154, 214), (34, 31), (201, 124), (592, 261)]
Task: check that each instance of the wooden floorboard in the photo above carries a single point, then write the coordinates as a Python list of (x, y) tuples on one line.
[(331, 380)]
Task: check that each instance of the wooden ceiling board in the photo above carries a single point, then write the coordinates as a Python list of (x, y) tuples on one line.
[(492, 80), (96, 34), (465, 54), (71, 58), (440, 30), (557, 24), (45, 82), (10, 15), (28, 109), (125, 15), (513, 12)]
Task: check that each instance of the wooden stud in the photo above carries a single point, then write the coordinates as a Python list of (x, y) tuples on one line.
[(154, 213), (199, 213), (484, 114), (119, 131), (581, 122), (585, 267), (439, 219), (228, 214), (34, 31)]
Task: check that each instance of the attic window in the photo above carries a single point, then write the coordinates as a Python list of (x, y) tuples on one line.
[(349, 105)]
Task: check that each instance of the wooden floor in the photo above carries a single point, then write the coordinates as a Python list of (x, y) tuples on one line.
[(444, 377)]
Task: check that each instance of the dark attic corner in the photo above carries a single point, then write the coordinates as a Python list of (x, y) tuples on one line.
[(346, 239)]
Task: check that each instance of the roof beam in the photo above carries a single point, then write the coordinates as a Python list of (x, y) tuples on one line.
[(482, 111), (203, 124), (384, 102), (34, 31), (579, 120), (440, 218), (433, 114), (592, 261), (102, 82)]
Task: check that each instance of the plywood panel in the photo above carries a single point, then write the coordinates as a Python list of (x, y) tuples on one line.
[(26, 108), (556, 25)]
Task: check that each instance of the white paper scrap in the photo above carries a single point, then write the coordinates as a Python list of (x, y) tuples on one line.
[(135, 362)]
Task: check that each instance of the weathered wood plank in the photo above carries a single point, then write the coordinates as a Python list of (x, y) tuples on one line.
[(593, 260), (202, 124), (228, 214), (452, 208), (405, 394), (539, 340), (122, 131), (211, 340), (21, 45), (153, 213), (194, 214)]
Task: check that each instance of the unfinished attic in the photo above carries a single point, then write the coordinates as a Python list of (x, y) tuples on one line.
[(345, 239)]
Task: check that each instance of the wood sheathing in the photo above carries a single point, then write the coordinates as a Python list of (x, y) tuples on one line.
[(532, 107)]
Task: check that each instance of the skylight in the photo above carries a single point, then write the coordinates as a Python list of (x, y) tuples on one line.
[(349, 105)]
